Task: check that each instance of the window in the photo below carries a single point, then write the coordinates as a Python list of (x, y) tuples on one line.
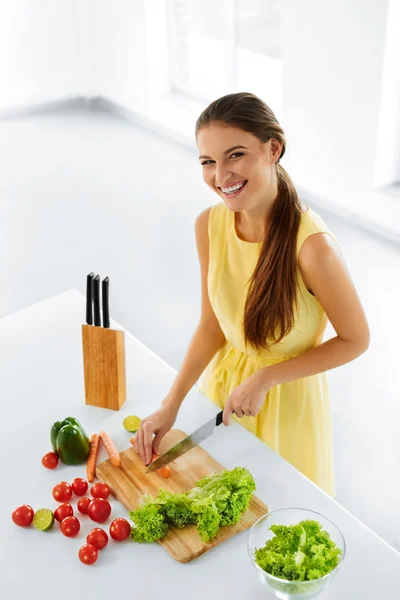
[(235, 47)]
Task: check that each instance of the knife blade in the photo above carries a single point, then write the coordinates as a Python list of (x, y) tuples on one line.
[(89, 299), (96, 301), (186, 444), (105, 286)]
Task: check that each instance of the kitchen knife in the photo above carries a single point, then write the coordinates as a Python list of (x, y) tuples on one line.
[(89, 298), (187, 444), (105, 285), (96, 300)]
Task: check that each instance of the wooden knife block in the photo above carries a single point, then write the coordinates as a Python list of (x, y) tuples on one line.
[(104, 366)]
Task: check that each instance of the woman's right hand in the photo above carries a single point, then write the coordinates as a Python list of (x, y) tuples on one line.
[(158, 423)]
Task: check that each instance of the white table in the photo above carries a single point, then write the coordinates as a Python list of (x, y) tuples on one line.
[(41, 382)]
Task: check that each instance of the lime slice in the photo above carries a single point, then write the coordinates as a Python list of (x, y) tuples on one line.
[(131, 423), (43, 519)]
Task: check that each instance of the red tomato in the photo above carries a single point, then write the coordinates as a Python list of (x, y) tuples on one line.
[(63, 511), (50, 460), (70, 526), (88, 554), (79, 486), (99, 510), (62, 492), (100, 490), (98, 538), (23, 515), (83, 505), (120, 529)]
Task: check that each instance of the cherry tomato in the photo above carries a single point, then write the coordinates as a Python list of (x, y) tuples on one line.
[(120, 530), (83, 505), (88, 554), (50, 460), (99, 510), (62, 492), (70, 526), (63, 511), (79, 486), (23, 515), (98, 538), (100, 490)]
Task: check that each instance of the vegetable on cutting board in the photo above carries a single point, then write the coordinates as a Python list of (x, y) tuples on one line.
[(300, 552), (111, 450), (94, 451), (164, 471), (219, 499), (70, 441)]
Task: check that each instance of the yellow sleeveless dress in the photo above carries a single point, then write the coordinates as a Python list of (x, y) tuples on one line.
[(295, 419)]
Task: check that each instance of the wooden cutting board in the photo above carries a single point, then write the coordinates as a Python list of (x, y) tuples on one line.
[(128, 484)]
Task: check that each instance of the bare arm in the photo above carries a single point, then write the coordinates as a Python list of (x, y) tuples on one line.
[(208, 336), (207, 339), (325, 273)]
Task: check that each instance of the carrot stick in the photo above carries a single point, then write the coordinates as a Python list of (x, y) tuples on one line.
[(91, 463), (111, 450)]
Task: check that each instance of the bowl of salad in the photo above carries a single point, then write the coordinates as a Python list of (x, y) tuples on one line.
[(296, 552)]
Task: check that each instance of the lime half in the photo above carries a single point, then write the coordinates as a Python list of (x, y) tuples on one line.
[(43, 519), (131, 423)]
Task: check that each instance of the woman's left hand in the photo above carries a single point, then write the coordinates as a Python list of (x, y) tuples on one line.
[(247, 399)]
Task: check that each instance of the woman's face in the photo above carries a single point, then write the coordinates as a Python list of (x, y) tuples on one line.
[(237, 166)]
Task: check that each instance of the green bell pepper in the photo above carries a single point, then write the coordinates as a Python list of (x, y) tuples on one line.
[(70, 441)]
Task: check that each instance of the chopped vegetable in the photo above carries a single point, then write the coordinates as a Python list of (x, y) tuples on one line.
[(111, 451), (91, 463), (70, 441), (299, 552), (165, 471), (217, 500), (131, 423)]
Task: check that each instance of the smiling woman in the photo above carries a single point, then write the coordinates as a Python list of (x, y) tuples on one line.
[(272, 275)]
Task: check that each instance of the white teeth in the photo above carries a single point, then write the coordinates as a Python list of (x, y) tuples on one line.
[(232, 189)]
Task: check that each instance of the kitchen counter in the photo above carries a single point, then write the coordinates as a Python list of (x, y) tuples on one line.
[(41, 382)]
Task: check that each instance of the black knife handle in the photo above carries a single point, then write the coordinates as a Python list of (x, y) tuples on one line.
[(218, 419), (89, 299), (96, 301), (105, 286)]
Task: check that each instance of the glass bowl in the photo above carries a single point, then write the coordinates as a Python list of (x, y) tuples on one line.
[(260, 533)]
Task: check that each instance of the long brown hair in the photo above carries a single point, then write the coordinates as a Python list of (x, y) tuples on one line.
[(272, 295)]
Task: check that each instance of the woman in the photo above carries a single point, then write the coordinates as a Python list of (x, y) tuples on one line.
[(272, 274)]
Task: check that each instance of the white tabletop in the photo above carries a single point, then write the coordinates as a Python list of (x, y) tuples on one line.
[(41, 382)]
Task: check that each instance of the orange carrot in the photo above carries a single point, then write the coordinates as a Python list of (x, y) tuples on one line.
[(111, 450), (165, 471), (91, 463), (132, 441)]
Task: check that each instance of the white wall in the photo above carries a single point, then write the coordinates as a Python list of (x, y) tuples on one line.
[(333, 59), (46, 51), (120, 44)]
